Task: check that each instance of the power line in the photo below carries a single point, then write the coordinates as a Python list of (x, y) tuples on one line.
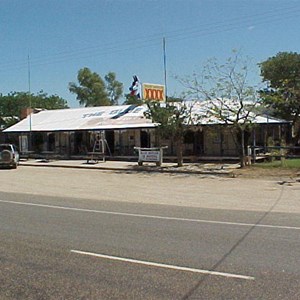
[(155, 40)]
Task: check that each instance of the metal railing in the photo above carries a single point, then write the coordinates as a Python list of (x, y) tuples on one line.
[(273, 152)]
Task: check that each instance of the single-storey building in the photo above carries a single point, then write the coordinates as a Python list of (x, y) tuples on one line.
[(73, 132)]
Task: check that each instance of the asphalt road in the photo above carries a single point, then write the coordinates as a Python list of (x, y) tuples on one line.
[(77, 247)]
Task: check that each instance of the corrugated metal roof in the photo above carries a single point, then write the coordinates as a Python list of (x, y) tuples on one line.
[(110, 117), (204, 113), (88, 118)]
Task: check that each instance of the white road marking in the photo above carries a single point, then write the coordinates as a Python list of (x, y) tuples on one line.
[(150, 216), (159, 265)]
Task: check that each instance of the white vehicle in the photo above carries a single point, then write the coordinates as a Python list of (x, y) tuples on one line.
[(9, 156)]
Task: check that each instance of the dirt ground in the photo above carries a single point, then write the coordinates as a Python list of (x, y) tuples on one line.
[(261, 192), (265, 173)]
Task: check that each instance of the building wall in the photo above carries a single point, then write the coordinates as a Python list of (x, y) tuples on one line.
[(218, 141), (199, 140)]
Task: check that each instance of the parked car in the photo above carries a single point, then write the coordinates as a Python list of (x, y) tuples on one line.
[(9, 156)]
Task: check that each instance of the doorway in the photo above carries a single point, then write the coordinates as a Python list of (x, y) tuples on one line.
[(110, 138), (145, 139)]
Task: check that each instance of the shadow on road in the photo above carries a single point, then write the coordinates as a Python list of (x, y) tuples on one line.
[(215, 266)]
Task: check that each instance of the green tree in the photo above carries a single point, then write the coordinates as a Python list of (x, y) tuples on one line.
[(114, 88), (231, 101), (131, 99), (172, 120), (281, 73), (91, 90), (12, 104)]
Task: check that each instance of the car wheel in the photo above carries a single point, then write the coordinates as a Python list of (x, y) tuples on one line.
[(6, 155)]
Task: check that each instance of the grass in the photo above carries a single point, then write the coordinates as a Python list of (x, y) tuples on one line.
[(286, 163)]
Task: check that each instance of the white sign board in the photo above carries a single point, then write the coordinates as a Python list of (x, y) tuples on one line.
[(149, 155)]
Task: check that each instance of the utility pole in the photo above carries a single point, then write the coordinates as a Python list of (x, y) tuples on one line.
[(165, 67), (30, 108)]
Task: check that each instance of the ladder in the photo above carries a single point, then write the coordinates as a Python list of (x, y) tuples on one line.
[(98, 148)]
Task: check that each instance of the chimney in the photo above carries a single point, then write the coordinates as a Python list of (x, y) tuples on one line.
[(25, 112)]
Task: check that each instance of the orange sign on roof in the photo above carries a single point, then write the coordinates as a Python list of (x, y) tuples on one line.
[(154, 92)]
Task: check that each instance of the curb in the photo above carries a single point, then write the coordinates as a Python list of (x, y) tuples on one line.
[(134, 169)]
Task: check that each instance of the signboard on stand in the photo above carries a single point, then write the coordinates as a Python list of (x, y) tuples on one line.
[(150, 155)]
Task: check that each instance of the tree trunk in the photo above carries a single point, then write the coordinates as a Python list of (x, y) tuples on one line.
[(242, 148), (296, 138), (179, 152)]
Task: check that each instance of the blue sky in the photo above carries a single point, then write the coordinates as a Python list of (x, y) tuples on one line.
[(125, 36)]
